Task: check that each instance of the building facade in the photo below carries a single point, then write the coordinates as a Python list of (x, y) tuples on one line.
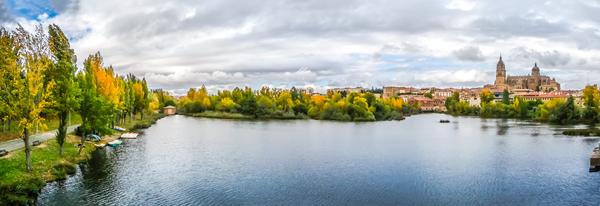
[(535, 81)]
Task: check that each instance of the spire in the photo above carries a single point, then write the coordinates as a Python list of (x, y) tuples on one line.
[(535, 65)]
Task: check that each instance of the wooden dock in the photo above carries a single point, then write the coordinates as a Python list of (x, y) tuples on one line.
[(595, 160)]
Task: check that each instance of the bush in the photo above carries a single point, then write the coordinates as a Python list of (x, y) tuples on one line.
[(62, 169)]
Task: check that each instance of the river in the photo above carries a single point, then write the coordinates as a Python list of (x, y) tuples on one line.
[(470, 161)]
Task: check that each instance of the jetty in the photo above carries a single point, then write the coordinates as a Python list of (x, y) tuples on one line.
[(595, 160)]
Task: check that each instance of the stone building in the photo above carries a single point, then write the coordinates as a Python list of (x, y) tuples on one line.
[(535, 81)]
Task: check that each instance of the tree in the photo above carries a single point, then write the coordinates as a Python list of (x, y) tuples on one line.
[(486, 96), (95, 109), (62, 72), (505, 97), (24, 62), (566, 113), (591, 101)]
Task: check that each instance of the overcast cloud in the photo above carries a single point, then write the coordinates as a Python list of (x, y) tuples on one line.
[(327, 43)]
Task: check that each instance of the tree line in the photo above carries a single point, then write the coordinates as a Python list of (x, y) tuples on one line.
[(268, 103), (39, 79), (558, 111)]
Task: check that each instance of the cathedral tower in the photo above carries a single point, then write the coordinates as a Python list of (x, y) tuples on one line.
[(535, 71), (500, 73)]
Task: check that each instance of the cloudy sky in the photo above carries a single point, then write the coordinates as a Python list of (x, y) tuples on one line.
[(326, 43)]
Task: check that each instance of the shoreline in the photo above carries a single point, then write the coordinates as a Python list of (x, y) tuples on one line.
[(574, 132), (239, 116), (23, 188)]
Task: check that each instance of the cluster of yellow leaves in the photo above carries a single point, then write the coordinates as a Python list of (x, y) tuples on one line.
[(396, 103), (107, 83)]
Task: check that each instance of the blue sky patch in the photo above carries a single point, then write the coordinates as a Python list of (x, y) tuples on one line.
[(30, 9)]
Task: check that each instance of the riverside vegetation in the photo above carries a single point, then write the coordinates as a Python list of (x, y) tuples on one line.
[(39, 80), (268, 103), (555, 111)]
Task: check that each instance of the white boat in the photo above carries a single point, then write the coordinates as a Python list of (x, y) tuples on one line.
[(120, 129), (114, 143), (129, 135)]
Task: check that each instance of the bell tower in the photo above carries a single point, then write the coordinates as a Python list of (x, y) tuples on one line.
[(500, 73)]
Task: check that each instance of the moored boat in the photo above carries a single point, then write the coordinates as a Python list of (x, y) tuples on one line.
[(120, 129), (129, 135), (114, 143), (444, 121)]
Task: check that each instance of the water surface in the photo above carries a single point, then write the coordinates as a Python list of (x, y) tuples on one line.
[(470, 161)]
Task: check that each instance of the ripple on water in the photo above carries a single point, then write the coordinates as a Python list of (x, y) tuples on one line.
[(192, 161)]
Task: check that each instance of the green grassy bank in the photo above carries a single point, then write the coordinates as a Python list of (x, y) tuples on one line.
[(17, 187)]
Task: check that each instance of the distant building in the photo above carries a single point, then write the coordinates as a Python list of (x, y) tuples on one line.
[(169, 110), (347, 90), (392, 91), (544, 97), (428, 105), (535, 81)]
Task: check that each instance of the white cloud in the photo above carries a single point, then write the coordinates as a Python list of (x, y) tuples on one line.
[(227, 43)]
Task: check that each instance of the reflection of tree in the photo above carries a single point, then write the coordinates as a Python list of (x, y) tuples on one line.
[(484, 124), (502, 126), (96, 170)]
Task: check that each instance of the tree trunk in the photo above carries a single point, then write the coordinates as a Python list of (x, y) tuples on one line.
[(82, 142), (27, 150), (62, 131)]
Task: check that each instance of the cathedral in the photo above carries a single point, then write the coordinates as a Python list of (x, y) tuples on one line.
[(535, 81)]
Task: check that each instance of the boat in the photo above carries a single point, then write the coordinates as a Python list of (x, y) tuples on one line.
[(129, 135), (114, 143), (444, 121), (94, 137), (100, 145), (36, 143), (595, 159), (120, 129), (3, 152)]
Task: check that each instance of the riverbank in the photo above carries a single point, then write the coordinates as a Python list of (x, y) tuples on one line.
[(279, 116), (17, 187)]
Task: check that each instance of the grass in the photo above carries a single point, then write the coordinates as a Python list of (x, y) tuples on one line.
[(222, 115), (17, 187), (582, 132), (51, 123), (230, 115)]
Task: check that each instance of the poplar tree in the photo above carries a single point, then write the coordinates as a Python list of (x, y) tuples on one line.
[(62, 72), (23, 87)]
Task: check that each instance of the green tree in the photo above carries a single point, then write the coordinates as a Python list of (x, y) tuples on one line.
[(591, 101), (506, 97), (62, 72), (565, 113)]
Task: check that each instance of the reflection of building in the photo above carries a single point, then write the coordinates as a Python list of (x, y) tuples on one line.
[(535, 81)]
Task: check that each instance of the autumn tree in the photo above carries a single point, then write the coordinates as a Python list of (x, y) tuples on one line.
[(591, 101), (24, 62)]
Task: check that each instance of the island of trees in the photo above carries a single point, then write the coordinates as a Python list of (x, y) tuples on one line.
[(268, 103)]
